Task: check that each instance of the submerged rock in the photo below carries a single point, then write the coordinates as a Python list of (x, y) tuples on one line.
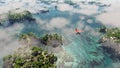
[(44, 11)]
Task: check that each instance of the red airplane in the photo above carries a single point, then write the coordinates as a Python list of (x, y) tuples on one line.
[(78, 31)]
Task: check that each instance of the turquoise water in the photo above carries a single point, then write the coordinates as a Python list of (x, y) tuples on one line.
[(83, 49)]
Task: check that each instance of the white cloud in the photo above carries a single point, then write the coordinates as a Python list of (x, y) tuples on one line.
[(58, 22), (30, 5), (8, 41), (87, 9), (65, 7), (10, 6), (112, 17)]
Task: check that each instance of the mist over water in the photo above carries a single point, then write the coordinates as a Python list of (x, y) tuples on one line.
[(77, 51)]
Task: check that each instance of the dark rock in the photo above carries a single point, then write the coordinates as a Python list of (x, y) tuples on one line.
[(56, 7), (112, 48), (7, 64), (44, 11), (103, 30), (0, 23), (102, 40)]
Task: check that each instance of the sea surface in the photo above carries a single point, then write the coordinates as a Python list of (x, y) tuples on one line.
[(78, 50)]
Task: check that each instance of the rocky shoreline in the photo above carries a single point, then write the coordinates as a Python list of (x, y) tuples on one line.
[(110, 42), (33, 55)]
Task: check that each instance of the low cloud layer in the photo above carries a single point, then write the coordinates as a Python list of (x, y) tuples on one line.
[(8, 40), (112, 17), (58, 22), (65, 7)]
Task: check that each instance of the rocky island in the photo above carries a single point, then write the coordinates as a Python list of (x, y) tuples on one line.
[(53, 40), (19, 16), (31, 55), (111, 42)]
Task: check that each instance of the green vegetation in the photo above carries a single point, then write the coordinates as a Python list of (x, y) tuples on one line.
[(48, 37), (36, 58), (21, 16), (27, 35), (114, 34), (44, 40), (7, 57)]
